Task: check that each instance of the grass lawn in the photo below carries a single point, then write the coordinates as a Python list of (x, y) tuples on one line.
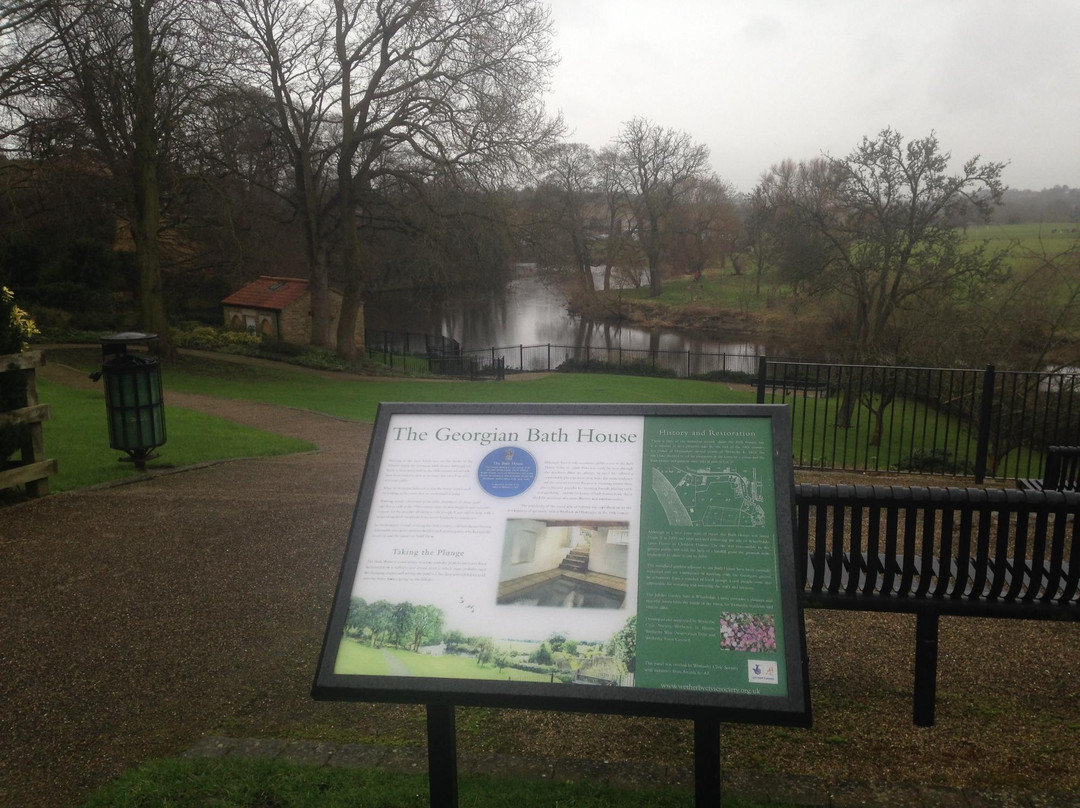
[(235, 783), (355, 657), (458, 667), (77, 436), (1053, 237), (717, 288), (348, 396), (358, 399), (79, 429)]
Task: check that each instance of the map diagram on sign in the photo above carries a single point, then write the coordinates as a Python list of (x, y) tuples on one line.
[(707, 498)]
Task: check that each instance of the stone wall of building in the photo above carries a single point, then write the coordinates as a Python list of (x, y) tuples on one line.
[(293, 323), (244, 318), (296, 320)]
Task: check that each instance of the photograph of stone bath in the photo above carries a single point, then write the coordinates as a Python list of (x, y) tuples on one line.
[(564, 563)]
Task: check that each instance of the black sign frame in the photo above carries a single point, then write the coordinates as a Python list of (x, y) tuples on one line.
[(791, 709)]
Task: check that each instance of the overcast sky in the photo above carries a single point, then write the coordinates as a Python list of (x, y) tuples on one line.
[(761, 80)]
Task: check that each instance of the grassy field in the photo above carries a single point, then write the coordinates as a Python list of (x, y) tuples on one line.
[(355, 657), (347, 396), (232, 783), (720, 288), (77, 436), (717, 287), (350, 397), (1051, 237)]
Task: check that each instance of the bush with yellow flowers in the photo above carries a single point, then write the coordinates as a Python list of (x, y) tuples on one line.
[(17, 328)]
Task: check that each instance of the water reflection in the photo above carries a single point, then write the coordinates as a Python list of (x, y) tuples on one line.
[(530, 310)]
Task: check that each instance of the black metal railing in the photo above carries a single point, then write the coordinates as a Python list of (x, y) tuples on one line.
[(408, 343), (944, 421), (960, 422), (547, 357)]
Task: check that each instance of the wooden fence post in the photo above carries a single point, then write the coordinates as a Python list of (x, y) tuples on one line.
[(33, 469)]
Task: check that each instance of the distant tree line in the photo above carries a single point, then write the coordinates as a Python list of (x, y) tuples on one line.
[(154, 155), (350, 125), (400, 624)]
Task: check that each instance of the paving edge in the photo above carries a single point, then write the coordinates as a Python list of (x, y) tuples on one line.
[(796, 791)]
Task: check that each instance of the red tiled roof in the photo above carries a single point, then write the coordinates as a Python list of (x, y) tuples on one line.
[(268, 292)]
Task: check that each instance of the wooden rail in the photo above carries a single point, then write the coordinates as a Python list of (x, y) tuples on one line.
[(32, 469)]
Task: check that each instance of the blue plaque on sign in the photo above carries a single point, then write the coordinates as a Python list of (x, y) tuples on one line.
[(507, 471)]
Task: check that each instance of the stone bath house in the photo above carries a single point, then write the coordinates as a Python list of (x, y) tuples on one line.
[(280, 309)]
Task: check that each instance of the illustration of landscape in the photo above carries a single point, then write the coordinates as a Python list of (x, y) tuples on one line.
[(407, 639), (549, 570), (703, 497)]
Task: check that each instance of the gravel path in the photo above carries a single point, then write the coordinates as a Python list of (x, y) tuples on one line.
[(136, 617)]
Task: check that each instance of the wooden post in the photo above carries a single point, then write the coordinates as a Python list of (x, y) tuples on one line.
[(34, 469)]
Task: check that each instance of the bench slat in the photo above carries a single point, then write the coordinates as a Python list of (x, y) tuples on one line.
[(963, 545)]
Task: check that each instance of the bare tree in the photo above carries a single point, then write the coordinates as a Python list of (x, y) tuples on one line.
[(568, 201), (453, 85), (658, 167), (703, 226), (880, 228), (287, 51), (119, 77)]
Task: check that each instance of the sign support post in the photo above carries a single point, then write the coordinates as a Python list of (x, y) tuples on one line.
[(442, 756), (707, 788)]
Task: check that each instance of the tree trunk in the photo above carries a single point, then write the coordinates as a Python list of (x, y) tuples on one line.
[(351, 269), (847, 407), (146, 210), (320, 301), (654, 279)]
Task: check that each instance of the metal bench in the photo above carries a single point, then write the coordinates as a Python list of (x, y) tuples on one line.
[(1061, 472), (939, 551)]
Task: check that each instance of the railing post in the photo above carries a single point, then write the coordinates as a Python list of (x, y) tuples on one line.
[(761, 374), (986, 408), (549, 356), (688, 363), (521, 357)]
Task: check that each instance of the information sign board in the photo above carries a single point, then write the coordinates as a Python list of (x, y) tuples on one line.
[(602, 558)]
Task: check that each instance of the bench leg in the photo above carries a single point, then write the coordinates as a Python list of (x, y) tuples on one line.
[(926, 653)]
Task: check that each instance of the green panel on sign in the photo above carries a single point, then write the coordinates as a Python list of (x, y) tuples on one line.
[(709, 615)]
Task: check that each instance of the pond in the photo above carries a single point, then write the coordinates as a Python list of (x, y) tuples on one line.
[(531, 310)]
